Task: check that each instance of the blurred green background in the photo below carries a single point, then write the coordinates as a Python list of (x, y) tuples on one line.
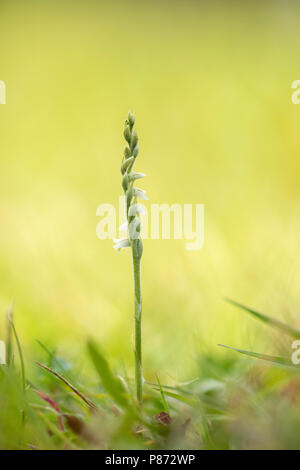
[(210, 84)]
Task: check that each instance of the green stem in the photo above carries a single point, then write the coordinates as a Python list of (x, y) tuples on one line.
[(136, 261)]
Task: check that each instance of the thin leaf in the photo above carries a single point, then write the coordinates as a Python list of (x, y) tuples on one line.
[(268, 320), (51, 355), (9, 345), (74, 389), (188, 400), (169, 387), (57, 432), (279, 360), (163, 398), (112, 385), (55, 406), (10, 319)]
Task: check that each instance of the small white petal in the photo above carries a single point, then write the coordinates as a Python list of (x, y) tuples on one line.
[(136, 208), (124, 227), (121, 243), (140, 193), (136, 176)]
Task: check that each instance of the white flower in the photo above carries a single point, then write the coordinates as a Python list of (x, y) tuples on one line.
[(140, 193), (121, 243), (134, 209), (135, 176), (124, 227)]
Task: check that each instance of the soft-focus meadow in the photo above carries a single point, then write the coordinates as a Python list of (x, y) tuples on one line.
[(210, 85)]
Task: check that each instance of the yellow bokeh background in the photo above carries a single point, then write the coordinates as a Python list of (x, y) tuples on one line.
[(210, 85)]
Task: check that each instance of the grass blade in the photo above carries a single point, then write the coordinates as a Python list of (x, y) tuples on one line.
[(279, 360), (183, 398), (52, 356), (74, 389), (268, 320), (163, 398), (11, 322), (54, 405), (9, 345), (112, 385)]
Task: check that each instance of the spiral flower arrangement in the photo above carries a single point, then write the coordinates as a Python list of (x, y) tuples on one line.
[(133, 240)]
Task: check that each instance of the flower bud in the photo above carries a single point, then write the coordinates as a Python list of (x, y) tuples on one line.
[(135, 176), (134, 140), (135, 151), (125, 182), (131, 119), (127, 133), (127, 152), (126, 164), (129, 196)]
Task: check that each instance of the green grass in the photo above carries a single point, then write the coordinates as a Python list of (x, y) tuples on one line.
[(232, 404)]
